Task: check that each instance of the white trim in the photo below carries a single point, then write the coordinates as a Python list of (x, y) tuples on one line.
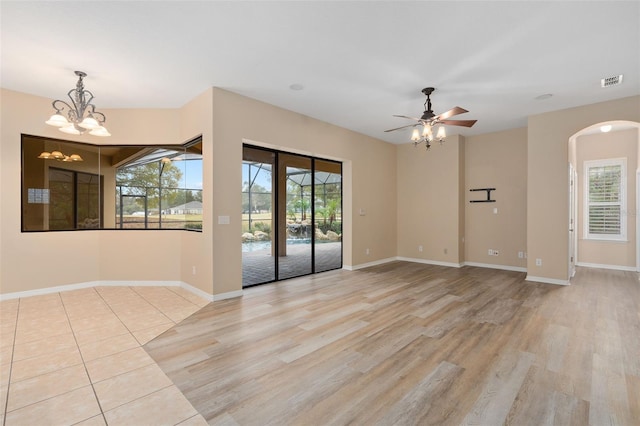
[(434, 262), (368, 264), (637, 217), (603, 266), (48, 290), (196, 291), (492, 266), (431, 262), (126, 283), (546, 280), (91, 284), (228, 295)]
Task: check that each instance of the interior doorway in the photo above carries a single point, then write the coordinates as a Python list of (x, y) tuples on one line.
[(604, 232)]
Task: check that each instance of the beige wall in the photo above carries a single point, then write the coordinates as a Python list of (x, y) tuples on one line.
[(547, 188), (369, 179), (429, 209), (497, 160), (599, 146), (32, 261), (196, 118), (409, 197)]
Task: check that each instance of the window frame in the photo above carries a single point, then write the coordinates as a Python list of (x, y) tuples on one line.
[(35, 190), (591, 164)]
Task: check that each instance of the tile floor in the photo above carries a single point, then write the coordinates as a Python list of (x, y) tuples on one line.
[(76, 358)]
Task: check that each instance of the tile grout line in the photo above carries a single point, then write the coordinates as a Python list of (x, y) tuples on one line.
[(156, 307), (141, 346), (184, 298), (13, 348), (84, 364), (117, 316)]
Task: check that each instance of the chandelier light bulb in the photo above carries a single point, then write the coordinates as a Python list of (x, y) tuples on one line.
[(100, 131), (89, 123), (441, 133), (75, 157), (415, 136), (427, 133), (70, 129), (57, 120)]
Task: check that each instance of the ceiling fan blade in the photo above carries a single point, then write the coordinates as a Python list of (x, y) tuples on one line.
[(453, 111), (403, 127), (410, 118), (465, 123)]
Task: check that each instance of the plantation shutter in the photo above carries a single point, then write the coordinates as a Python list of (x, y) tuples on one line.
[(605, 200)]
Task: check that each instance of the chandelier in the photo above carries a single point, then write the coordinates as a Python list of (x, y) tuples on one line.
[(81, 115), (59, 156)]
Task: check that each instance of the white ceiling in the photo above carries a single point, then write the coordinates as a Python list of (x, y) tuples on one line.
[(359, 62)]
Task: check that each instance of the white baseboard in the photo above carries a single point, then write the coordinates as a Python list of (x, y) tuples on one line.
[(126, 283), (49, 290), (90, 284), (435, 262), (368, 264), (196, 291), (546, 280), (228, 295), (430, 262), (602, 266), (494, 266)]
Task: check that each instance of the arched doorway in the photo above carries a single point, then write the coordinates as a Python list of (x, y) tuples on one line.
[(592, 151)]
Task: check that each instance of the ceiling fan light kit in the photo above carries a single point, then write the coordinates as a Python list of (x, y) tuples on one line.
[(430, 122)]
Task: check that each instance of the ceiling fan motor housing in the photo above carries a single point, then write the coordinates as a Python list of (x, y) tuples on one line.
[(428, 113)]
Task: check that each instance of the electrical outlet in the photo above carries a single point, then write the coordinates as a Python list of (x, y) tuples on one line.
[(193, 270), (366, 252), (420, 249), (490, 252), (520, 255), (538, 262)]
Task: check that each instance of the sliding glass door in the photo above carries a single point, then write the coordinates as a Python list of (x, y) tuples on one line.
[(258, 221), (291, 215), (294, 216), (328, 215)]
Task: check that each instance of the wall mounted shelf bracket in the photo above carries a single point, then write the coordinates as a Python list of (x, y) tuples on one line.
[(488, 200)]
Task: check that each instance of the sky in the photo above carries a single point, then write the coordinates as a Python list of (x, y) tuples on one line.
[(191, 173)]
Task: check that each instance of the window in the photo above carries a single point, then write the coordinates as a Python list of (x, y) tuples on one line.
[(68, 186), (605, 199)]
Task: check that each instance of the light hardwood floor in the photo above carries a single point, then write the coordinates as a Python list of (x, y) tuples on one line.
[(407, 343)]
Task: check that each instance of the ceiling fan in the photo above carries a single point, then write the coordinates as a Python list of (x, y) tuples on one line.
[(429, 120)]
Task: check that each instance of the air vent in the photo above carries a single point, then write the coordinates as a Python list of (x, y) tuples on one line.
[(611, 81)]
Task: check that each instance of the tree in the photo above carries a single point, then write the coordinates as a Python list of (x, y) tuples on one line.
[(145, 179), (260, 197)]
